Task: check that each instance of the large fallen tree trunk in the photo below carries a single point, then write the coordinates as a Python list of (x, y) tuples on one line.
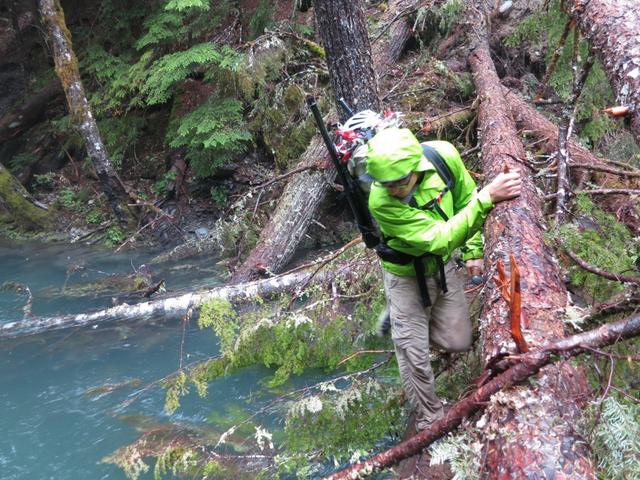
[(611, 27), (523, 439), (545, 132), (174, 307), (301, 199), (525, 366)]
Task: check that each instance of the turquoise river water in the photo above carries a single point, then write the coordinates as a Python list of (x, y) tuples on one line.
[(51, 428)]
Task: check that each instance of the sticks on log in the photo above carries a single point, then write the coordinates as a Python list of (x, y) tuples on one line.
[(527, 365)]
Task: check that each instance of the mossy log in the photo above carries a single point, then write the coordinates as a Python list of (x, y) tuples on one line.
[(522, 439), (611, 27), (17, 208), (301, 199), (68, 72)]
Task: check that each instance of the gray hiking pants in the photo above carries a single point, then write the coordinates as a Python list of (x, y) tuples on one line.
[(446, 324)]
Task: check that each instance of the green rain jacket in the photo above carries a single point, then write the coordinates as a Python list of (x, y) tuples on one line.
[(414, 231)]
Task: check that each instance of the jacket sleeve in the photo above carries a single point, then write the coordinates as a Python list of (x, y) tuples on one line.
[(463, 193), (416, 231)]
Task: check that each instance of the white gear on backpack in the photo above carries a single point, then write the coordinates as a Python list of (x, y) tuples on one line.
[(353, 136)]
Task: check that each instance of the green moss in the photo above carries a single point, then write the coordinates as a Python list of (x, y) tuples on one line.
[(15, 208), (600, 240)]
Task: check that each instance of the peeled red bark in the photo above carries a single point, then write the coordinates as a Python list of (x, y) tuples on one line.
[(15, 122), (522, 368), (611, 27), (67, 70), (301, 199), (546, 134), (529, 430)]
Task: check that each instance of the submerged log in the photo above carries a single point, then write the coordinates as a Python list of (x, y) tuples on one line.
[(301, 199), (611, 27), (174, 307), (535, 436), (69, 74), (524, 367)]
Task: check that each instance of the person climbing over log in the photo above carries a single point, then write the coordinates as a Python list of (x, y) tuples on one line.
[(426, 205)]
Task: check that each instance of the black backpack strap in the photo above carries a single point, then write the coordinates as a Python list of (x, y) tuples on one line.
[(440, 165)]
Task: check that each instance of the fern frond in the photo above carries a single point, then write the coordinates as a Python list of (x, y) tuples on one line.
[(162, 27), (169, 69), (183, 5), (212, 134)]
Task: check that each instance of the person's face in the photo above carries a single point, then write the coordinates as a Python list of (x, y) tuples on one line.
[(401, 188)]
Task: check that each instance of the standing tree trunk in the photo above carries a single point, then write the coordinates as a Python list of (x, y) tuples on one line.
[(343, 31), (345, 41), (530, 431), (67, 70), (611, 26)]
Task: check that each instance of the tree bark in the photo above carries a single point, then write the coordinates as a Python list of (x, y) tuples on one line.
[(523, 439), (343, 32), (611, 27), (304, 193), (525, 366), (174, 307), (17, 206), (67, 70), (529, 119)]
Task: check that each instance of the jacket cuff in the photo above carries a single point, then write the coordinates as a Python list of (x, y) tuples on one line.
[(485, 200), (474, 254)]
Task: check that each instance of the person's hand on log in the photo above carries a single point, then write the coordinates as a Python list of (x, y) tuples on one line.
[(505, 186)]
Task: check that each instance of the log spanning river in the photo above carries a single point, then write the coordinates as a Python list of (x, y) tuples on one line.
[(64, 394)]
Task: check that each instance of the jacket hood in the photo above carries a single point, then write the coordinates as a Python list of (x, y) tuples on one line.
[(393, 153)]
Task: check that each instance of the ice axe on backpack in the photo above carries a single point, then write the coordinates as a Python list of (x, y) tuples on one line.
[(354, 194)]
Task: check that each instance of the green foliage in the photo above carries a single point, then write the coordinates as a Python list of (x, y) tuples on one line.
[(463, 454), (212, 134), (342, 423), (160, 187), (120, 134), (261, 19), (182, 5), (599, 239), (94, 217), (175, 461), (219, 315), (176, 387), (21, 160), (115, 235), (46, 180), (438, 21), (219, 194), (542, 30), (165, 72), (617, 439)]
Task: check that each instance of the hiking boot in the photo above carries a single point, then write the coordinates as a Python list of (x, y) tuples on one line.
[(384, 323)]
